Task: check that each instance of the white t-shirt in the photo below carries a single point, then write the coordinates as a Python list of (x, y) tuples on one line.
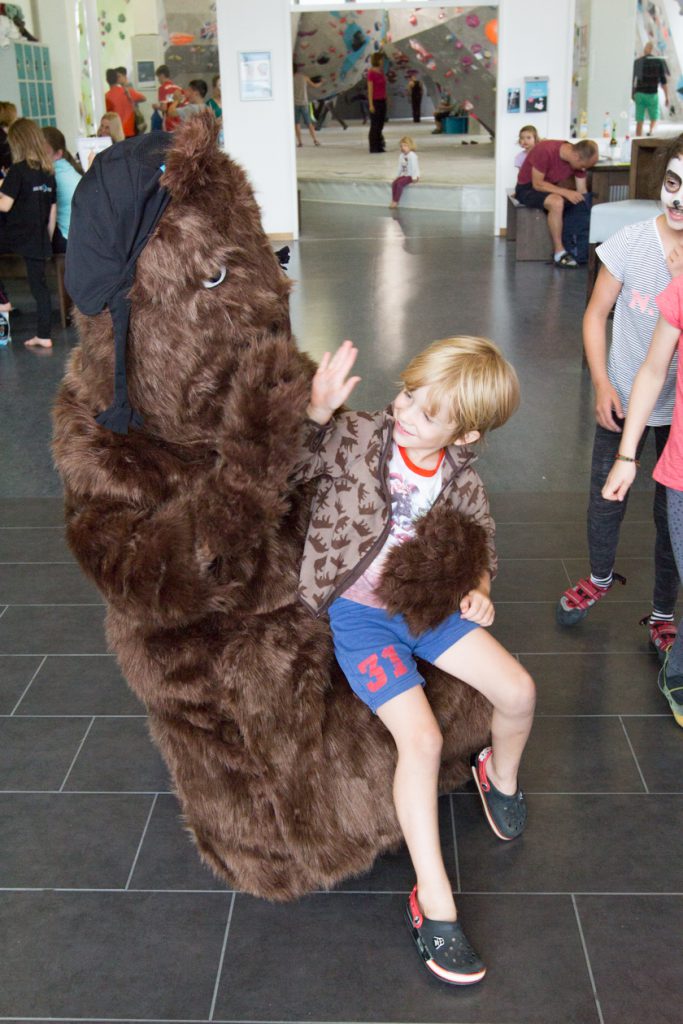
[(408, 166), (635, 256), (413, 492)]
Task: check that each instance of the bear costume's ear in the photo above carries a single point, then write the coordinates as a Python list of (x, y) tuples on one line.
[(191, 160)]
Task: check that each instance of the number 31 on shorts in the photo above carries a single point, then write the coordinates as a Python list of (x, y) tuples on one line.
[(370, 666)]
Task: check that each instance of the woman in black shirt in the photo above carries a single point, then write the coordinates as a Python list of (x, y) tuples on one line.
[(28, 199)]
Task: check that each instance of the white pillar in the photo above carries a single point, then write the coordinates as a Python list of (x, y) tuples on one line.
[(611, 42), (535, 38), (97, 80), (259, 134), (56, 27)]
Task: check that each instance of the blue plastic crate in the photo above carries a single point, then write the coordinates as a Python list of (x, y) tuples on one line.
[(455, 125)]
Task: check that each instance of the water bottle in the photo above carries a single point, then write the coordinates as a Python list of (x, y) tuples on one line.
[(5, 336)]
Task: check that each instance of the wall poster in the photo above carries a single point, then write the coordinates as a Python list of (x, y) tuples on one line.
[(535, 95), (256, 78)]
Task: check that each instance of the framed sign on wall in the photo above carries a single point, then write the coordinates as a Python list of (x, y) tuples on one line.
[(256, 75)]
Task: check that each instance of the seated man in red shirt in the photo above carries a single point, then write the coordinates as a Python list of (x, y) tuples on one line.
[(122, 98), (552, 176)]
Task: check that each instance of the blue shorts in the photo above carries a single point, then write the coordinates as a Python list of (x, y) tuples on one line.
[(377, 651), (302, 115)]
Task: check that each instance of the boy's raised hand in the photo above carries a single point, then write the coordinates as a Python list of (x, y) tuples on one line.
[(331, 385)]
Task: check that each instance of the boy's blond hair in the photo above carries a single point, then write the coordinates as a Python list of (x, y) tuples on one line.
[(26, 143), (409, 143), (469, 379)]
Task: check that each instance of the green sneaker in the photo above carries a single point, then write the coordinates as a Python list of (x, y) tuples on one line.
[(672, 688)]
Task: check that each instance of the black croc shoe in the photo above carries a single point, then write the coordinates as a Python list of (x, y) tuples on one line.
[(443, 947), (505, 814)]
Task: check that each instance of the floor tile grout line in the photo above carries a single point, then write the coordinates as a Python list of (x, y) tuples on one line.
[(4, 610), (588, 960), (96, 792), (60, 527), (76, 755), (566, 572), (142, 839), (455, 843), (633, 754), (522, 893), (29, 686), (541, 714), (457, 793), (127, 717), (222, 958)]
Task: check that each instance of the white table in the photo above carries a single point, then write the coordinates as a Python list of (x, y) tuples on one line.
[(608, 218)]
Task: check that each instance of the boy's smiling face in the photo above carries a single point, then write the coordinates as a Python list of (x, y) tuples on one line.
[(419, 431)]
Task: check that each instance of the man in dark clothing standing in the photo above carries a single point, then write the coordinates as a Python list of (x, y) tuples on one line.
[(648, 74)]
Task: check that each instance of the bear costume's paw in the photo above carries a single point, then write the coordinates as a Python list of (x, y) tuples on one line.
[(425, 578)]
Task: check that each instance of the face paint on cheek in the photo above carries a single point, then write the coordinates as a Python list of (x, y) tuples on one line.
[(672, 193)]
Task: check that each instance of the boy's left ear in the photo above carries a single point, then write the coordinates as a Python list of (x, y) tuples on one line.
[(469, 438)]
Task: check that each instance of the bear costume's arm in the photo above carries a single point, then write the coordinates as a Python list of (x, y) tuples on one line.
[(173, 536)]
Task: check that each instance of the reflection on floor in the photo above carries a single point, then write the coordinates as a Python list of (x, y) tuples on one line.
[(105, 911)]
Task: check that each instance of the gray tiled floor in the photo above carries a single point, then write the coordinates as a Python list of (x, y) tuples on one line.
[(105, 909)]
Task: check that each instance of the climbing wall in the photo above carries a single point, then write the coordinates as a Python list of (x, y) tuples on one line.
[(452, 49), (334, 47)]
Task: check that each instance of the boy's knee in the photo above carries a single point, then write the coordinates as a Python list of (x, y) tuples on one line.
[(427, 742), (554, 202), (522, 693)]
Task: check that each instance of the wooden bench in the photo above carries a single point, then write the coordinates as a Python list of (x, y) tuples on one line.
[(528, 229), (13, 267)]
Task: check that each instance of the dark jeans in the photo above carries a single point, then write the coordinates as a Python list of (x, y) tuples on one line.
[(58, 242), (377, 119), (675, 510), (35, 271), (605, 517)]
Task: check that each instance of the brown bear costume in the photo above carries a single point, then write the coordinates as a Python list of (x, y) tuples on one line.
[(193, 533)]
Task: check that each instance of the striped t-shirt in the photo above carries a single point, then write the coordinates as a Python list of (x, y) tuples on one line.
[(635, 256)]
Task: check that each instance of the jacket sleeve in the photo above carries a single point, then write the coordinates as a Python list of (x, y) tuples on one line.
[(318, 447), (469, 497)]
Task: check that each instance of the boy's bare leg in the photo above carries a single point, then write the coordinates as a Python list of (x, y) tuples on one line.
[(411, 722), (481, 662), (297, 132)]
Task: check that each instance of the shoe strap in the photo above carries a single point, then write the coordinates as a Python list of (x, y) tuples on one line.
[(482, 761)]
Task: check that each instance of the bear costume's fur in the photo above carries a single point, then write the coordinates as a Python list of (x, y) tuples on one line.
[(192, 532)]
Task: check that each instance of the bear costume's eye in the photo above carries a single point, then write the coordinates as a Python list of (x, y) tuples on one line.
[(218, 278)]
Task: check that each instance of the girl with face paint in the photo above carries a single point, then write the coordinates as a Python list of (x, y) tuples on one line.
[(669, 470), (638, 264)]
